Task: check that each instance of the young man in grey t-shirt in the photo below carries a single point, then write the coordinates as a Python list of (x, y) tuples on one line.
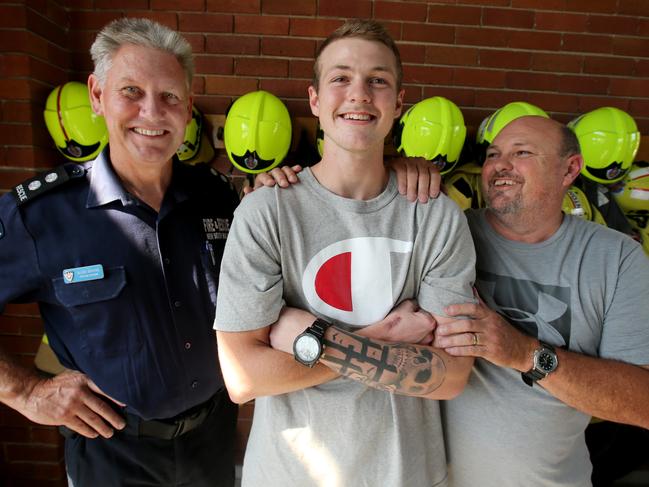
[(343, 246)]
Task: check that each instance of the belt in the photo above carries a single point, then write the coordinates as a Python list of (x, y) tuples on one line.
[(165, 429)]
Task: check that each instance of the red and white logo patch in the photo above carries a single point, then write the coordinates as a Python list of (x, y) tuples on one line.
[(351, 280)]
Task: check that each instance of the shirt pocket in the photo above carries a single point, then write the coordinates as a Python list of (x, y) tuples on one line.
[(102, 313)]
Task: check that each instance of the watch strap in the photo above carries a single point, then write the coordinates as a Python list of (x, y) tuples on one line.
[(534, 374)]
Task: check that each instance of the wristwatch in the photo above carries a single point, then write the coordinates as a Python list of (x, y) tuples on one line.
[(308, 347), (545, 362)]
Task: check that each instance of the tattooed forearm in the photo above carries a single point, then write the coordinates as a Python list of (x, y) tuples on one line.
[(414, 370)]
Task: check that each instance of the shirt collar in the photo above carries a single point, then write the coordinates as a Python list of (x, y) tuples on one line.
[(105, 186)]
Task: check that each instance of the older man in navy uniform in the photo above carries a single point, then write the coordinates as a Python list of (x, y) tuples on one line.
[(123, 254)]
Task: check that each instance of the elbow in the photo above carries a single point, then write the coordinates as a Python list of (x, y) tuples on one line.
[(239, 393)]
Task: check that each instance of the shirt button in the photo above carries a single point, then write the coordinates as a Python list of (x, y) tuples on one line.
[(194, 384), (166, 260), (177, 304), (188, 345)]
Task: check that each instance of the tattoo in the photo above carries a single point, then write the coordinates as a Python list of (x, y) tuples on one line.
[(414, 370)]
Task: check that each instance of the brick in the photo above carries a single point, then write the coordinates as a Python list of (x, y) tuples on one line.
[(288, 47), (641, 68), (413, 94), (257, 24), (561, 21), (639, 107), (643, 27), (234, 6), (629, 87), (587, 43), (10, 325), (313, 27), (261, 67), (427, 74), (609, 24), (590, 103), (484, 78), (345, 8), (633, 7), (298, 108), (13, 16), (454, 14), (503, 3), (31, 453), (630, 46), (532, 81), (15, 134), (48, 435), (15, 435), (43, 27), (300, 69), (198, 85), (289, 7), (600, 6), (21, 309), (463, 56), (233, 86), (31, 470), (402, 11), (91, 20), (507, 17), (206, 64), (121, 4), (540, 4), (32, 156), (553, 102), (462, 97), (179, 5), (441, 34), (14, 65), (205, 22), (232, 44), (557, 63), (537, 41), (413, 53), (495, 58), (170, 19), (20, 344), (583, 84), (609, 65), (285, 88), (197, 41), (213, 104), (481, 36), (47, 73)]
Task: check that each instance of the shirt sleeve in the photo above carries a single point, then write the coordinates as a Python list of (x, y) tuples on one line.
[(625, 335), (19, 271), (251, 287), (450, 273)]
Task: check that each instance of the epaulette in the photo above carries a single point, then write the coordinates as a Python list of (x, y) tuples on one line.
[(46, 181)]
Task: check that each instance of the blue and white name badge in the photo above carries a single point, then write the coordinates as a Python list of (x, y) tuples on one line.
[(82, 274)]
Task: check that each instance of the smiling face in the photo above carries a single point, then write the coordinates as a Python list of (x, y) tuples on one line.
[(524, 172), (146, 103), (357, 98)]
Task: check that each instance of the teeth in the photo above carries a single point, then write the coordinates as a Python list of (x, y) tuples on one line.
[(503, 183), (140, 131), (356, 116)]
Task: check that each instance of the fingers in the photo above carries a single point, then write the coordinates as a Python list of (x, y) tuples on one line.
[(435, 182), (465, 309), (269, 179), (413, 176)]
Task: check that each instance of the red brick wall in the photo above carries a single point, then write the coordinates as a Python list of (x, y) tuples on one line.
[(567, 56)]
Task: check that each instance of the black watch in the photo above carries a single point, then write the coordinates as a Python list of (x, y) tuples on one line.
[(308, 347), (545, 362)]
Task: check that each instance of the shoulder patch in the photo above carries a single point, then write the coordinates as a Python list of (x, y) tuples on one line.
[(46, 181)]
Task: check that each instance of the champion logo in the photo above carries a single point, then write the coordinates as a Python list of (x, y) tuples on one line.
[(351, 280)]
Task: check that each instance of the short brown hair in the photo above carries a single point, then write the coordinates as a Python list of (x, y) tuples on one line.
[(369, 30)]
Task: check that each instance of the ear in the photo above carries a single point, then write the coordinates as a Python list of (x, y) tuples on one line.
[(572, 169), (95, 90), (399, 106), (314, 101)]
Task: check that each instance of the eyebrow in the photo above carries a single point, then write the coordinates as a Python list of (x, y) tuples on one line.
[(346, 67)]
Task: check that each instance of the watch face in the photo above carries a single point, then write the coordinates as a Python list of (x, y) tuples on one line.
[(546, 362), (307, 348)]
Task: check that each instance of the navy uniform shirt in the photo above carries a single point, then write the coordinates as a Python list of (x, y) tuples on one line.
[(142, 332)]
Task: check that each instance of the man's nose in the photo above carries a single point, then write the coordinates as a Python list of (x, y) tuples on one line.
[(359, 92)]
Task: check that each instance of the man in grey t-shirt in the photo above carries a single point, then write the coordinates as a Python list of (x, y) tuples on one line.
[(344, 246), (569, 337)]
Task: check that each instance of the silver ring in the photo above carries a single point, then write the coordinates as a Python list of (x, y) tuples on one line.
[(475, 339)]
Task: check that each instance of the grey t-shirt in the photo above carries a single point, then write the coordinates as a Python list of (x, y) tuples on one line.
[(585, 288), (349, 262)]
